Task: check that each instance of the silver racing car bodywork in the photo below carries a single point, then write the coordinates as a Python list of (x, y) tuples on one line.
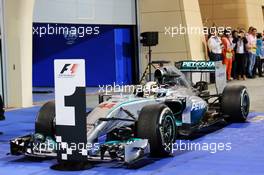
[(129, 106), (120, 106)]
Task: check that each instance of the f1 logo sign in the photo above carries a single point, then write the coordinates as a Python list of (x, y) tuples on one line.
[(69, 69)]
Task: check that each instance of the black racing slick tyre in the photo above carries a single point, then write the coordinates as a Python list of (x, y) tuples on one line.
[(157, 124), (235, 103), (45, 119)]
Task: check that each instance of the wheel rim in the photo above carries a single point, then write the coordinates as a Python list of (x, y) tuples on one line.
[(167, 131), (245, 105)]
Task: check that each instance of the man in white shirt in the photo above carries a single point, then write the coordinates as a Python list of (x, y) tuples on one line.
[(215, 47)]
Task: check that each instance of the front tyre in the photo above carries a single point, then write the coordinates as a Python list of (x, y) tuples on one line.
[(235, 103), (157, 124), (45, 119)]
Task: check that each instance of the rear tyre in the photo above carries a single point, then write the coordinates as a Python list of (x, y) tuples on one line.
[(45, 119), (157, 124), (235, 103)]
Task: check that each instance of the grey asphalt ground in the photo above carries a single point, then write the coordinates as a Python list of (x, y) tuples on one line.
[(256, 92)]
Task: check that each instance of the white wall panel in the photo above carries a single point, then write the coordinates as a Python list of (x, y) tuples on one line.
[(85, 11)]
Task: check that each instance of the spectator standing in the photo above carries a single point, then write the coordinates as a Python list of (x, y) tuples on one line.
[(215, 47), (262, 51), (206, 49), (258, 65), (247, 53), (234, 63), (227, 54), (252, 42), (240, 49)]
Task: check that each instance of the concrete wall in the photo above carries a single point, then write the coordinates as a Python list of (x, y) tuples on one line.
[(233, 13), (224, 13), (192, 14), (255, 14), (18, 37), (155, 15)]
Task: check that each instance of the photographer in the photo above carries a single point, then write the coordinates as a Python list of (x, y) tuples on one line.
[(240, 49)]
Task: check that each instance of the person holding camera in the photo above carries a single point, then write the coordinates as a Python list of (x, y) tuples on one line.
[(240, 50)]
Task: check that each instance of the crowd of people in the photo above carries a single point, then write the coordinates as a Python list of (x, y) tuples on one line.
[(242, 52)]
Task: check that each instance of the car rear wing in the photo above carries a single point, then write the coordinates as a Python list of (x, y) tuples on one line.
[(215, 67), (196, 66)]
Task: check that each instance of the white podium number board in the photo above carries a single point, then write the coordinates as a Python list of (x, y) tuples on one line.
[(70, 101)]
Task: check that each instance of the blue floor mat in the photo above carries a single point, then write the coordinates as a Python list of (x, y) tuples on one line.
[(245, 157)]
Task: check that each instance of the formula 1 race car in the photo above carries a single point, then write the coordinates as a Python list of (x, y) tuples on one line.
[(146, 122)]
